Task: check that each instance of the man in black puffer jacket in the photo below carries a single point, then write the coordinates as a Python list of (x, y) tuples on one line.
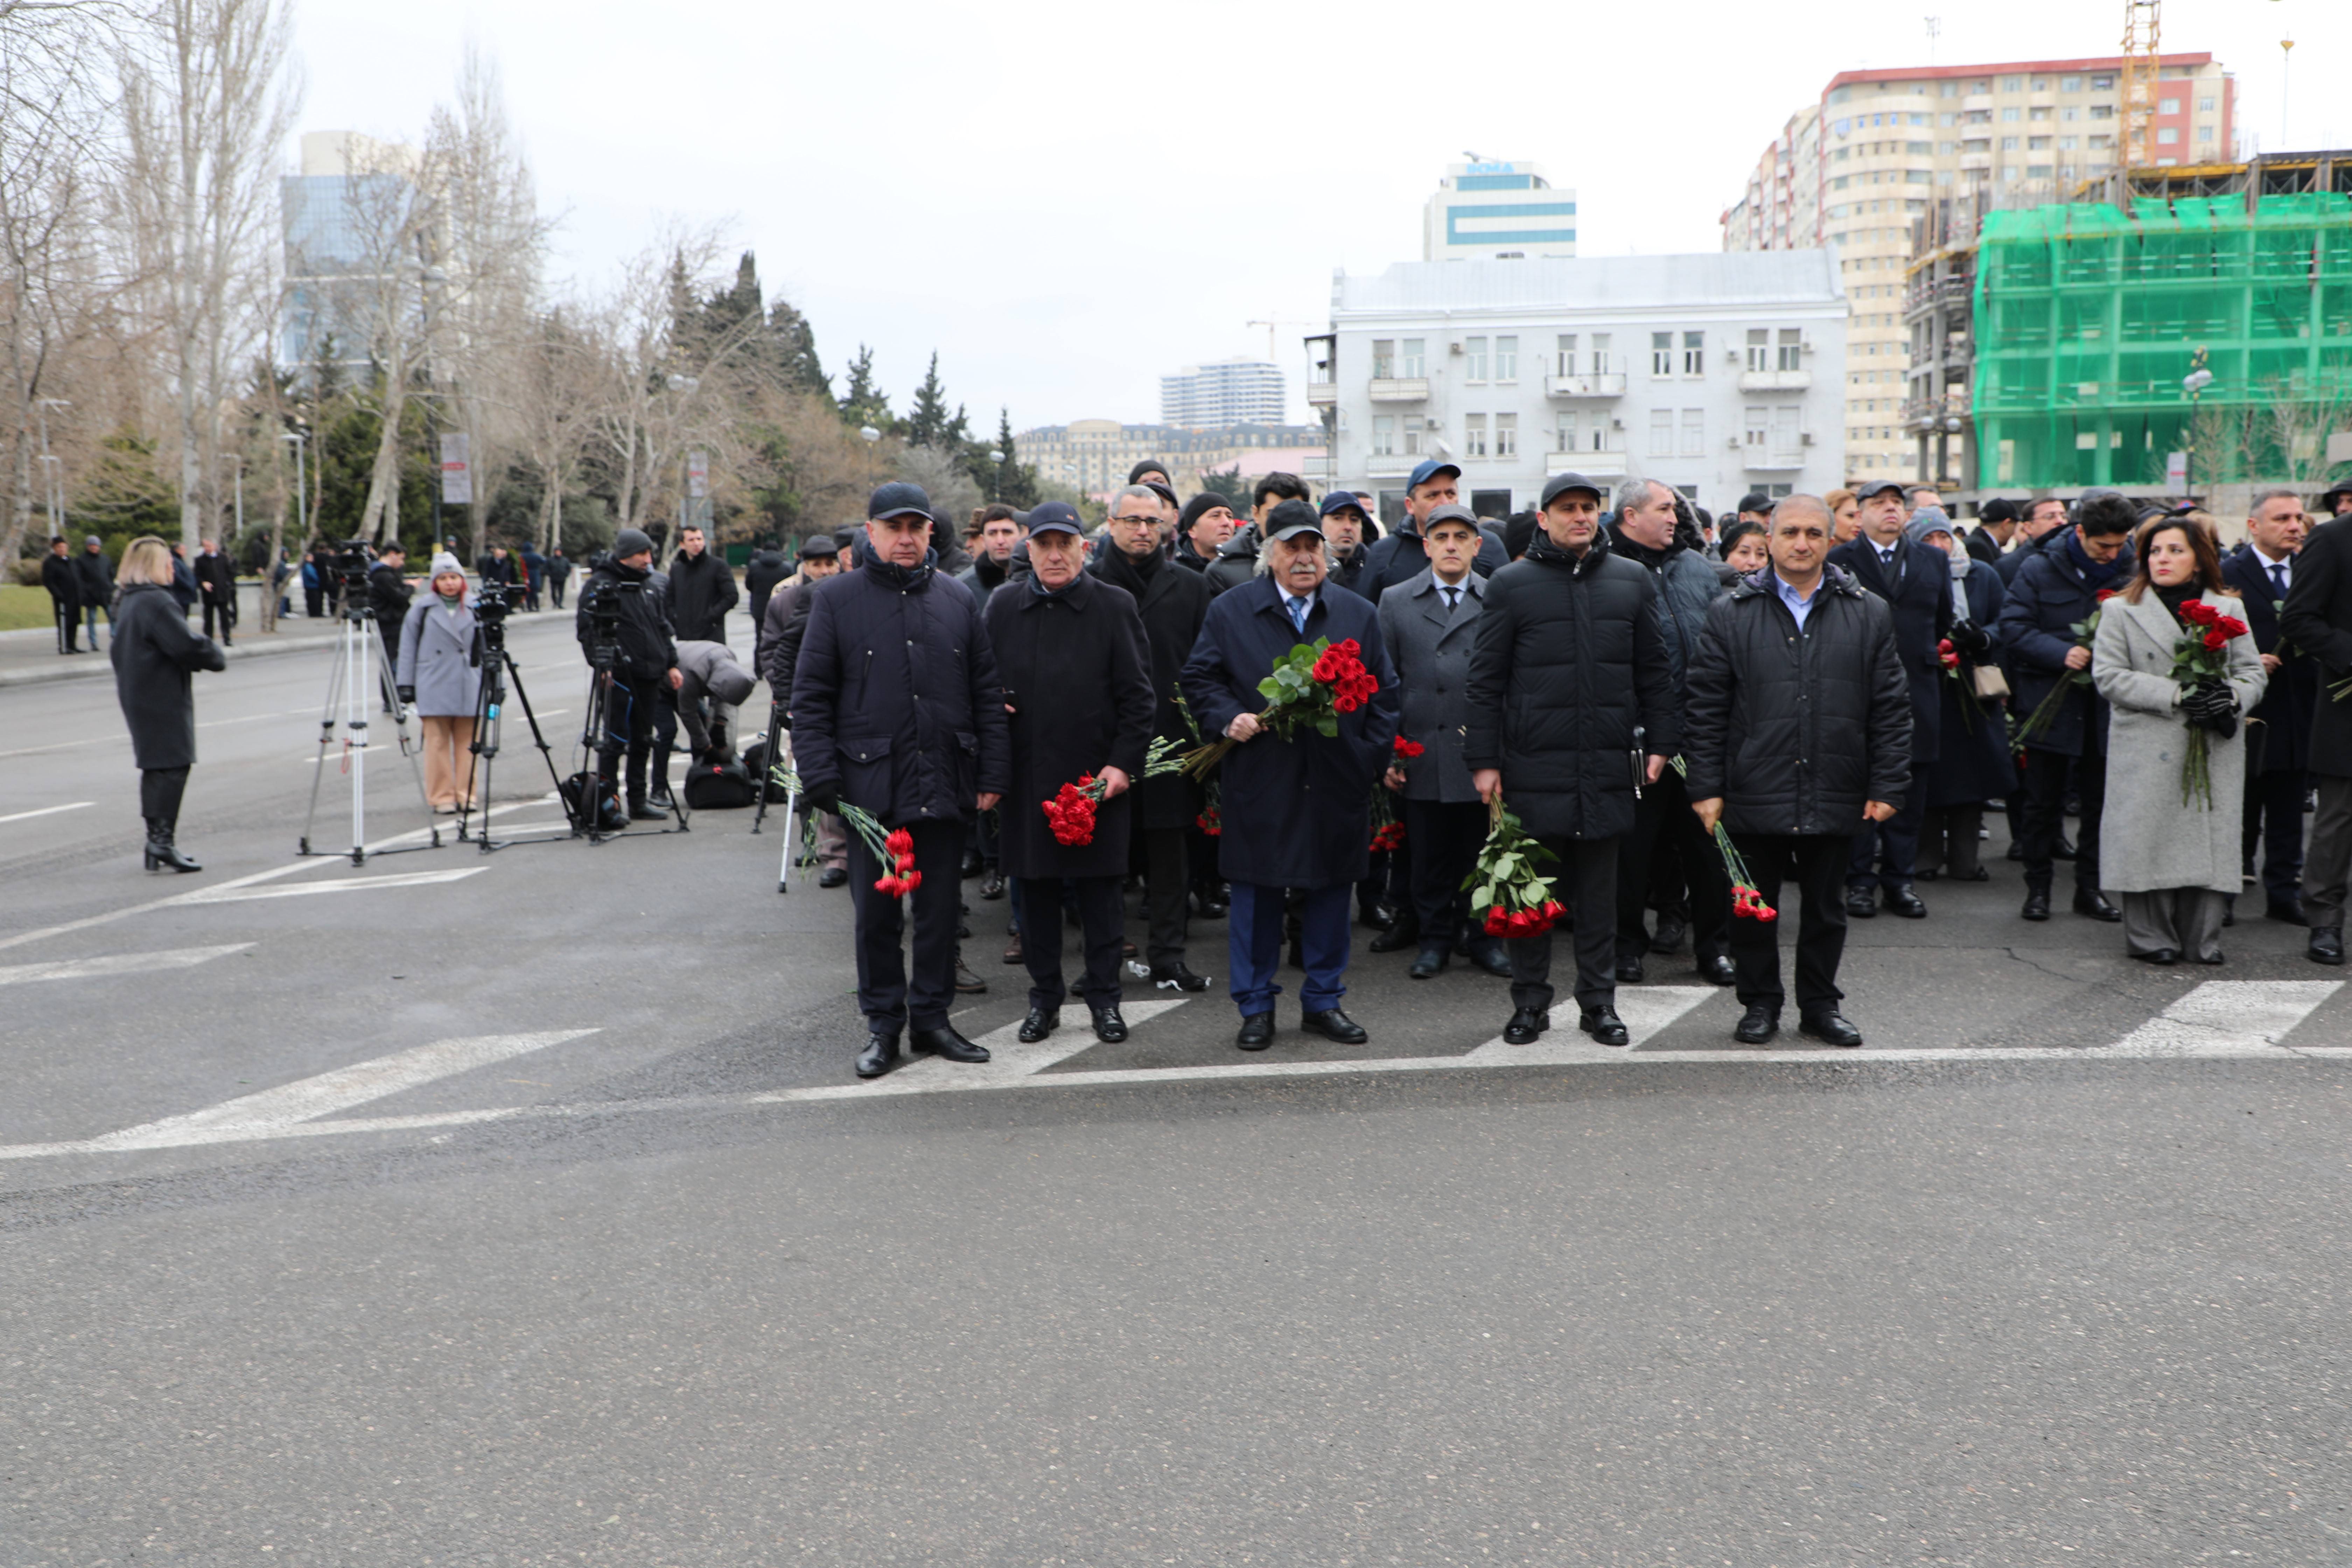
[(701, 590), (1570, 698), (1799, 729)]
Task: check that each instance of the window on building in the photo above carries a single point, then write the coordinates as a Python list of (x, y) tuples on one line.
[(2204, 134), (1947, 149), (1506, 435), (1977, 144), (1841, 181), (1662, 353), (1793, 348), (1384, 435), (1507, 359), (1473, 359), (1786, 441), (1474, 434), (1838, 155), (1760, 348), (1759, 424), (2009, 144), (1694, 432), (1416, 364), (1412, 428), (2070, 113), (1383, 359), (2168, 106), (2008, 116), (1947, 119), (2204, 106), (2103, 111), (1948, 90), (1600, 365), (2103, 83), (2037, 171), (1662, 432), (1918, 147), (2013, 84), (1944, 176), (1693, 353), (2037, 143), (2070, 84), (2037, 114), (1564, 432), (2065, 143), (2042, 84), (1564, 360), (2165, 135), (2103, 142)]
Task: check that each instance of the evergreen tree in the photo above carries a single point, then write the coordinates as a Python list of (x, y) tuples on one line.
[(1016, 482), (926, 421), (795, 348), (864, 403)]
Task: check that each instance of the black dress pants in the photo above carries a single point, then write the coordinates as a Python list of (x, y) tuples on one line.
[(630, 708), (1584, 880), (1443, 837), (1886, 854), (2045, 815), (1821, 866), (1167, 873), (2273, 815), (1102, 920), (891, 996), (225, 610), (1666, 828)]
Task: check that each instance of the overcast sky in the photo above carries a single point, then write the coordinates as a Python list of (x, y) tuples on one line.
[(1068, 201)]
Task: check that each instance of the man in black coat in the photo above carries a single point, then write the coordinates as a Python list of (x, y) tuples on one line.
[(1995, 525), (646, 661), (559, 575), (2055, 590), (2038, 529), (216, 582), (496, 568), (65, 596), (1799, 732), (1918, 591), (2262, 570), (897, 709), (701, 590), (1297, 809), (2318, 620), (388, 590), (1570, 711), (1400, 556), (766, 569), (1072, 658), (1173, 604), (94, 583)]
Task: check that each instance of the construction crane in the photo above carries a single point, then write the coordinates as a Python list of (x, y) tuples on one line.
[(2142, 22), (1269, 326)]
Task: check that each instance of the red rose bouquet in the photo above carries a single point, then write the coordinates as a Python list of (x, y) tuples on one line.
[(2202, 657), (1312, 684), (1071, 812), (1514, 898)]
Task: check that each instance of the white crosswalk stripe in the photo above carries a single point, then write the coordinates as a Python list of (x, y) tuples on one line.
[(2251, 1017), (116, 963)]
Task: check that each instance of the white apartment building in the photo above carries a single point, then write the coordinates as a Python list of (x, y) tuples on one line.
[(1717, 375), (1222, 392), (1493, 211), (1855, 169)]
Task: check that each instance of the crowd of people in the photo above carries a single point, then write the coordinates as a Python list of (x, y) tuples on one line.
[(1683, 715)]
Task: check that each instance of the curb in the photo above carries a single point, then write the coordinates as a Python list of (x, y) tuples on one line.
[(104, 666)]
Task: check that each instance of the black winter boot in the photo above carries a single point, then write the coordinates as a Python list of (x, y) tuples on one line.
[(161, 853)]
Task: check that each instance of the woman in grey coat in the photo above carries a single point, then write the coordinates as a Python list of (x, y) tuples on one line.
[(154, 653), (2169, 864), (438, 674)]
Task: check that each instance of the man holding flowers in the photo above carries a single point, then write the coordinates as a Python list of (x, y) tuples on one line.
[(1305, 732)]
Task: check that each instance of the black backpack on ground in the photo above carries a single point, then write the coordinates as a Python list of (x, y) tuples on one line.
[(717, 787)]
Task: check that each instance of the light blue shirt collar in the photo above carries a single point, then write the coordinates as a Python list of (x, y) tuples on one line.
[(1799, 606)]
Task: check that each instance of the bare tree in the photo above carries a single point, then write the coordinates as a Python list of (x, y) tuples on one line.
[(207, 99), (552, 387)]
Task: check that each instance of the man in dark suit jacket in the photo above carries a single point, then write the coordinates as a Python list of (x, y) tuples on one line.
[(2318, 620), (216, 580), (2262, 570), (1917, 587), (2044, 521), (1995, 525)]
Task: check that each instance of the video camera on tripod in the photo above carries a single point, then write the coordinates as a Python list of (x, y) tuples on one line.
[(348, 566), (603, 606), (492, 601)]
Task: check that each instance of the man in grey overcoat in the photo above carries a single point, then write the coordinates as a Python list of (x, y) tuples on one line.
[(1428, 624)]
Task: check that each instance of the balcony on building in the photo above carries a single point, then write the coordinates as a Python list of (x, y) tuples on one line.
[(1568, 388), (1315, 468), (1767, 460), (1608, 462), (1322, 394), (1400, 389), (1389, 465), (1775, 380)]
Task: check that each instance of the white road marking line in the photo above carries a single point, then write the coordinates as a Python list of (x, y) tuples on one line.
[(207, 894), (45, 811), (2247, 1016), (346, 884), (1646, 1010), (269, 1113), (115, 963)]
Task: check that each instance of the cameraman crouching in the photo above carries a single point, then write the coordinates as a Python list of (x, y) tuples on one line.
[(647, 657), (708, 670)]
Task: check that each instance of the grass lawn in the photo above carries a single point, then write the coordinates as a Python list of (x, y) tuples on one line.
[(21, 607)]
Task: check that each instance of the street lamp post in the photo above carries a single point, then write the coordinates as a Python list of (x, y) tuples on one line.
[(685, 387), (867, 434), (301, 440), (995, 475), (53, 477), (2194, 384)]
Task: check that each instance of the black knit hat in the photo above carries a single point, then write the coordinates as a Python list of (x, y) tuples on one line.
[(1205, 501)]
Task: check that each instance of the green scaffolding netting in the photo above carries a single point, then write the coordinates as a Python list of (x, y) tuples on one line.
[(2087, 319)]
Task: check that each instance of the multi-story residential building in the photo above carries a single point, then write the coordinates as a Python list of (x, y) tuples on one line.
[(1490, 211), (1716, 373), (1095, 456), (335, 220), (1887, 143), (1222, 392)]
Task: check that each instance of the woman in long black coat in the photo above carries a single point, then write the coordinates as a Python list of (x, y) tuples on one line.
[(154, 653)]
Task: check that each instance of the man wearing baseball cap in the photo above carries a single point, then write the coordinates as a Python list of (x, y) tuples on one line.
[(897, 710), (1402, 556)]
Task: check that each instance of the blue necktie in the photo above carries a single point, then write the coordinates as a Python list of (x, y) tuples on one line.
[(2278, 578), (1299, 616)]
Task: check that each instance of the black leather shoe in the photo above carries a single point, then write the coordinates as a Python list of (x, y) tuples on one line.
[(1830, 1029), (1978, 875), (1379, 916), (1757, 1025), (1334, 1025), (832, 877), (1525, 1026), (2037, 904), (946, 1042), (992, 885), (1403, 932), (1109, 1027), (1861, 903), (1429, 963), (1176, 978), (2061, 850), (1926, 874), (1256, 1032), (1040, 1023), (2212, 958), (646, 811), (1604, 1025), (2326, 946), (880, 1055), (2287, 911), (1670, 934), (1486, 952), (1629, 969), (1718, 969), (2095, 905), (1904, 902), (2164, 956)]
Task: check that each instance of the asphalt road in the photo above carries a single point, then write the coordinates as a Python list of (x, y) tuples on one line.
[(530, 1214)]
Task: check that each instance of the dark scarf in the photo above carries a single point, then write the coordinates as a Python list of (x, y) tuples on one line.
[(911, 579), (2095, 574), (1119, 568), (1641, 553), (989, 569), (2178, 594), (1037, 587)]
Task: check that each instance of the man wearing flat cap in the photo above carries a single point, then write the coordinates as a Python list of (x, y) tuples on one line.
[(897, 710), (1296, 810)]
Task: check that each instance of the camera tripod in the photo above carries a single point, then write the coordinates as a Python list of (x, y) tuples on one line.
[(498, 667), (588, 822), (362, 672)]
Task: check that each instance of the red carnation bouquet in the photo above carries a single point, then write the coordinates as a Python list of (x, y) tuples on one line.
[(1312, 684), (1071, 812), (1505, 884), (1388, 833), (2203, 653), (1747, 903), (1405, 748)]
